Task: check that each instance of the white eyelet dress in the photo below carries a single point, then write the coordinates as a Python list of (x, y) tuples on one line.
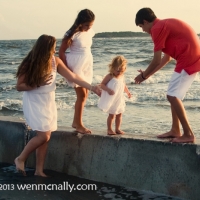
[(80, 59), (39, 105), (113, 104)]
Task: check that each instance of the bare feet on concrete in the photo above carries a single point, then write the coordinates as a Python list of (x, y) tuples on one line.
[(111, 132), (183, 139), (42, 174), (82, 129), (120, 132), (20, 166), (170, 134)]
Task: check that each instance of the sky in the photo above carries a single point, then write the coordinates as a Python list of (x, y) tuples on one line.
[(28, 19)]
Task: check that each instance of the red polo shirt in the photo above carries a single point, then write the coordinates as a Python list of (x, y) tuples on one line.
[(178, 40)]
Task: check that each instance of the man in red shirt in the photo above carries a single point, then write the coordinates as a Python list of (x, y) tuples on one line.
[(176, 40)]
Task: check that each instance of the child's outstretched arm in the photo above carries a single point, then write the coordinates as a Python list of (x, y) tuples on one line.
[(127, 91), (69, 75), (106, 79)]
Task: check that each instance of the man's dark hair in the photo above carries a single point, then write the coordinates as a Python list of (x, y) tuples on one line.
[(144, 14)]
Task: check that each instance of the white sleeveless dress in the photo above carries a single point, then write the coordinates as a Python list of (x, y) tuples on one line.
[(113, 104), (80, 59), (39, 105)]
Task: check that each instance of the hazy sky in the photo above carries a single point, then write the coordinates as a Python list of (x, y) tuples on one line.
[(28, 19)]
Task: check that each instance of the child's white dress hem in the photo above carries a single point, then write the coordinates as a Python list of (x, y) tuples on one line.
[(113, 104)]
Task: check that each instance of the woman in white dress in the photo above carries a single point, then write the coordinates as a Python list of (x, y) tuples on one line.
[(79, 60), (36, 76), (112, 97)]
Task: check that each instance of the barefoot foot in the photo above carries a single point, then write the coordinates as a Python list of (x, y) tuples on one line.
[(20, 166), (111, 132), (83, 130), (42, 174), (74, 125), (183, 139), (170, 134), (120, 132)]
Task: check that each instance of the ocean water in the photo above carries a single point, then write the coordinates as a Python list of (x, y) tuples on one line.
[(147, 112)]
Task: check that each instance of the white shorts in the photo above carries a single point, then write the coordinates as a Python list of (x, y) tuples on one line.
[(180, 83)]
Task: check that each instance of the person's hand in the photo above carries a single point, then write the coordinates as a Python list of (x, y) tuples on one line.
[(96, 89), (110, 92), (139, 78), (129, 95), (47, 81)]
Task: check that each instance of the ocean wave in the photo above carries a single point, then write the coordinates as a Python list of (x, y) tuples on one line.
[(10, 46), (142, 62), (13, 105), (61, 83), (62, 105), (8, 88), (66, 102)]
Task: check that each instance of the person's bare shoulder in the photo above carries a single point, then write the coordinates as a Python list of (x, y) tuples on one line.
[(108, 76), (58, 60), (106, 79)]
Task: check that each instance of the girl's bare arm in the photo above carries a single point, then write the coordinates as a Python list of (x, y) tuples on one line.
[(127, 91), (63, 47), (106, 79), (65, 72), (22, 86)]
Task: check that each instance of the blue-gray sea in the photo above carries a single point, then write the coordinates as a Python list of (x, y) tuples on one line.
[(147, 112)]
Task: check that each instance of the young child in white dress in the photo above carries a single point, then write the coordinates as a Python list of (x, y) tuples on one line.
[(112, 96), (78, 39), (36, 76)]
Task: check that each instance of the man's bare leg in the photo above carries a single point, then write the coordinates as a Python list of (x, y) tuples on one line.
[(188, 135), (175, 130)]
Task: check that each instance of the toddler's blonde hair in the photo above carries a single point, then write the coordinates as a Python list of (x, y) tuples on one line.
[(119, 63)]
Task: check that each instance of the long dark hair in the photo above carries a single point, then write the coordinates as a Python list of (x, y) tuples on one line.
[(37, 65), (84, 16)]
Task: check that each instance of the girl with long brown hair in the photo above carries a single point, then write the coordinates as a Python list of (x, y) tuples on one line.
[(36, 76)]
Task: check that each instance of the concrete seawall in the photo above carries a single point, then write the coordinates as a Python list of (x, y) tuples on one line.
[(139, 162)]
